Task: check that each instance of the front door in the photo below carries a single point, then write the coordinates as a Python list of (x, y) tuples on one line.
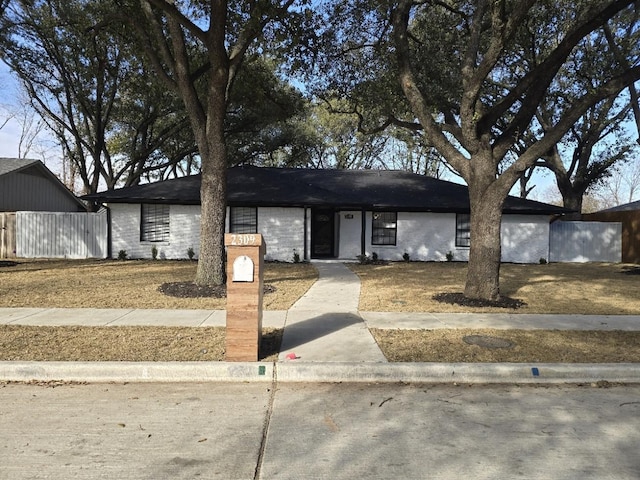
[(322, 233)]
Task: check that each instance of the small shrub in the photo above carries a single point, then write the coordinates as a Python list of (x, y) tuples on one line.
[(406, 257), (296, 256), (543, 261), (190, 253), (363, 259), (369, 260), (123, 255), (154, 252), (449, 256)]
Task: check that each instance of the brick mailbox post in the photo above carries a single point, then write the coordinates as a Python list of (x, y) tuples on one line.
[(245, 288)]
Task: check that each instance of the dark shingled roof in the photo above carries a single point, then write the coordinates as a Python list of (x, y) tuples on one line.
[(8, 165), (371, 189), (627, 207)]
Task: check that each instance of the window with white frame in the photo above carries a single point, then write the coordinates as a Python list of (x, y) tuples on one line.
[(384, 228), (154, 223), (463, 230), (243, 220)]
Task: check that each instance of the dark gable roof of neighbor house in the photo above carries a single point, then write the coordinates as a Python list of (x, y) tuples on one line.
[(371, 189), (11, 166), (15, 165)]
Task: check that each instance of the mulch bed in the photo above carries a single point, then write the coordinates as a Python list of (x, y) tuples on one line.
[(631, 270), (458, 298), (191, 290)]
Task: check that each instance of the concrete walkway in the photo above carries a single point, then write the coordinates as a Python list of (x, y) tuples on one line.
[(324, 325)]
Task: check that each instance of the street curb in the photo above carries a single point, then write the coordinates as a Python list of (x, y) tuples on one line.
[(135, 372), (320, 372), (459, 372)]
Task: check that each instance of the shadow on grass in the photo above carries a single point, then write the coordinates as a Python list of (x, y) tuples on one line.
[(270, 344)]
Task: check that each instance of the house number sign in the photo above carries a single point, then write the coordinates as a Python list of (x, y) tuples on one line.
[(243, 239)]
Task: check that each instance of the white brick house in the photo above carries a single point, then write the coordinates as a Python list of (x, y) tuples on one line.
[(323, 214)]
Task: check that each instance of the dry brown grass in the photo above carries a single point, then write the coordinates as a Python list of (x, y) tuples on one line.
[(557, 288), (130, 284), (126, 344), (535, 346)]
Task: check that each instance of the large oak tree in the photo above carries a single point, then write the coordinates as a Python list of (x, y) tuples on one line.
[(482, 122), (470, 75), (454, 63), (225, 32)]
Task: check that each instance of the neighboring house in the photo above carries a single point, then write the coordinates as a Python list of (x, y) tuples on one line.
[(323, 214), (629, 216), (28, 185)]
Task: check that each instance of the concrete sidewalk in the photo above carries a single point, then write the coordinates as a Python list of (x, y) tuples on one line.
[(98, 317), (328, 336)]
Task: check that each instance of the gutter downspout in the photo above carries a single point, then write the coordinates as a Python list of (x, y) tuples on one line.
[(363, 233), (109, 236), (306, 228)]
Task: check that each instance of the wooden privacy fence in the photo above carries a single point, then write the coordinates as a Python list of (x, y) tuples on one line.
[(585, 242), (7, 235), (61, 234)]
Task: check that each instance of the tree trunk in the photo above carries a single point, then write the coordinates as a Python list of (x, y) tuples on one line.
[(572, 199), (213, 190), (483, 274), (572, 195), (211, 268)]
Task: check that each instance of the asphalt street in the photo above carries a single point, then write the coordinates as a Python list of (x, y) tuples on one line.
[(216, 430)]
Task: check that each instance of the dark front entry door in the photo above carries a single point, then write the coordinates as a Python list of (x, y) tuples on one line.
[(322, 233)]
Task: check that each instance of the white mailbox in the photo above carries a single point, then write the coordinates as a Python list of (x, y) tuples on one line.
[(242, 269)]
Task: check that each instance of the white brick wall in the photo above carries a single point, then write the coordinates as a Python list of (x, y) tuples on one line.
[(424, 236), (430, 236), (525, 238), (184, 232), (283, 231), (125, 229)]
